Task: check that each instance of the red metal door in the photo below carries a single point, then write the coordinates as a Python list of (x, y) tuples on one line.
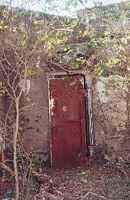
[(68, 124)]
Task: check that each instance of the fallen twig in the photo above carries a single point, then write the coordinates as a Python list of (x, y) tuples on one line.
[(94, 194)]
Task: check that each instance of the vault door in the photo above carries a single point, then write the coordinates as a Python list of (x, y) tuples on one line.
[(68, 124)]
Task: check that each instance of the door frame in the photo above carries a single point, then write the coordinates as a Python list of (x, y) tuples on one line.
[(90, 133)]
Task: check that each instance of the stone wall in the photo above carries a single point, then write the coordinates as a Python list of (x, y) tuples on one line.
[(35, 136), (110, 109), (111, 116)]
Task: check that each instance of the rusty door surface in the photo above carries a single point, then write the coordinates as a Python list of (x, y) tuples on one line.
[(68, 124)]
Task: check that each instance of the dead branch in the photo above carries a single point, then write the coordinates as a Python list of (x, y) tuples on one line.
[(60, 66), (7, 168), (15, 149), (94, 194), (50, 196)]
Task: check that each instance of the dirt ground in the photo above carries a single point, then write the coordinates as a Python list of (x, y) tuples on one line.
[(106, 182), (95, 183)]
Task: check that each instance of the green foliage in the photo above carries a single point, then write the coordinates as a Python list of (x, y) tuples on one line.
[(3, 26), (46, 35), (32, 72), (93, 43), (2, 89)]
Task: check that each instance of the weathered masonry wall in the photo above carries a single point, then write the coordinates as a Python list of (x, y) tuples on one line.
[(110, 104), (35, 136), (110, 108)]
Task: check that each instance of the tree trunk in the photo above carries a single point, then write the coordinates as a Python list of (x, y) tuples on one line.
[(15, 149)]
